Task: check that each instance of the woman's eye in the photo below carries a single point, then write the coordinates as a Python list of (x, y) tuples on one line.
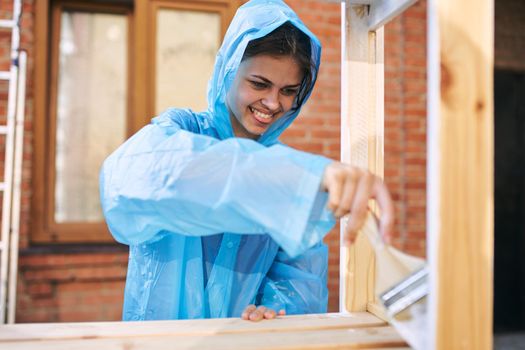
[(289, 92), (258, 84)]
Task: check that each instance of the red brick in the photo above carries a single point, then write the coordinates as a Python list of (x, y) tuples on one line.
[(88, 259), (326, 134), (79, 316), (40, 289), (294, 133), (44, 303), (36, 315)]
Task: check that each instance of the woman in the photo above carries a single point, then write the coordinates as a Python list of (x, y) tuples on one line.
[(222, 220)]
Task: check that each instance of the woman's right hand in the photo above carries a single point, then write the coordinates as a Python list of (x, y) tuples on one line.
[(254, 313), (349, 190)]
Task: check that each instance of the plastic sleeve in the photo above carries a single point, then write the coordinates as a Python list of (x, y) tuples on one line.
[(177, 181)]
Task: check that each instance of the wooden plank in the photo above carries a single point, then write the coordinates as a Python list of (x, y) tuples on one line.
[(41, 90), (48, 331), (383, 11), (361, 139), (370, 337), (377, 309), (460, 220), (141, 47)]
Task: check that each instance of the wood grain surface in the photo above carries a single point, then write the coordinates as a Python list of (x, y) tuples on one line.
[(322, 331), (461, 172), (362, 140)]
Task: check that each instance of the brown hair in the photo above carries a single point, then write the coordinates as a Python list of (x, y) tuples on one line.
[(287, 40)]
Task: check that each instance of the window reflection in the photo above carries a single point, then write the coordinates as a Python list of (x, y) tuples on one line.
[(187, 42), (91, 108)]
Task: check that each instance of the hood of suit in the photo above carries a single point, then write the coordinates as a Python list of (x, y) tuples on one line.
[(253, 20)]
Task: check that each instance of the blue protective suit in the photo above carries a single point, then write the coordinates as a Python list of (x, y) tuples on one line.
[(215, 223)]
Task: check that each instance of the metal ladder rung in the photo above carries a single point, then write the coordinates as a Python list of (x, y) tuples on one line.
[(7, 23), (5, 75)]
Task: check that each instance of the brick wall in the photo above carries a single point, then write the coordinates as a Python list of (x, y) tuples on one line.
[(405, 125), (83, 284), (71, 287)]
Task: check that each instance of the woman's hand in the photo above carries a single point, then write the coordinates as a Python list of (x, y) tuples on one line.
[(253, 313), (349, 190)]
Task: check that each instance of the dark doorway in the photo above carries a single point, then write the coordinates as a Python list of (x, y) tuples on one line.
[(509, 201)]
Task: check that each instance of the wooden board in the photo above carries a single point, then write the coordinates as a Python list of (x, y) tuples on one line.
[(383, 11), (47, 331), (460, 128), (362, 139), (323, 331), (331, 339)]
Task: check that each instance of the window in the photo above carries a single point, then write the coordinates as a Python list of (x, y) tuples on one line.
[(103, 69), (174, 54)]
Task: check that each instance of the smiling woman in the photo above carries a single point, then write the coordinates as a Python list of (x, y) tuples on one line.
[(223, 220)]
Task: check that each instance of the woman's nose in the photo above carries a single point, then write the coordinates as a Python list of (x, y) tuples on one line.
[(271, 100)]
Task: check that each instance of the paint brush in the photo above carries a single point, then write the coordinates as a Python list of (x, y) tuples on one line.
[(401, 284)]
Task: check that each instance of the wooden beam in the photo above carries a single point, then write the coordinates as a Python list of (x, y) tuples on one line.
[(359, 338), (357, 2), (322, 331), (205, 327), (382, 11), (376, 338), (361, 139), (140, 49), (460, 173)]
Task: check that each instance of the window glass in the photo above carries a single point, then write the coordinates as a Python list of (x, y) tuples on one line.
[(187, 42), (91, 108)]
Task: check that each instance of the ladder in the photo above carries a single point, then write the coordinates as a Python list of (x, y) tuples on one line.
[(11, 186)]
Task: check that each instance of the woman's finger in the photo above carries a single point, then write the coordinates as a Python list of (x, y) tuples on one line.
[(352, 176), (333, 183), (257, 314), (386, 205), (269, 314), (247, 311), (359, 209)]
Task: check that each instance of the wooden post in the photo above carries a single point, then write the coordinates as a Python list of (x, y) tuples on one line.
[(460, 160), (362, 130), (361, 139)]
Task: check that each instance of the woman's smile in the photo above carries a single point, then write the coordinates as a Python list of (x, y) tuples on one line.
[(261, 117)]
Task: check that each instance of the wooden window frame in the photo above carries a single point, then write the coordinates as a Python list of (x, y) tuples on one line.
[(145, 46), (44, 227), (220, 7), (140, 104)]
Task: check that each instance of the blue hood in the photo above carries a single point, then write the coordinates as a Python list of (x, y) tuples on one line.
[(248, 24)]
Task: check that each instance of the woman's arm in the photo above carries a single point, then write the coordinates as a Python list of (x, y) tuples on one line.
[(165, 179)]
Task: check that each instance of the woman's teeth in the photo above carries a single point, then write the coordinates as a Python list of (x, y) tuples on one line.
[(261, 115)]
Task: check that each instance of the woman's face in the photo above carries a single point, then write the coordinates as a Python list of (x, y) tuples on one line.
[(263, 91)]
